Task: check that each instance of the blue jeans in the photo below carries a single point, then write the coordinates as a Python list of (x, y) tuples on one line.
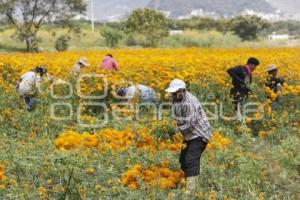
[(30, 102)]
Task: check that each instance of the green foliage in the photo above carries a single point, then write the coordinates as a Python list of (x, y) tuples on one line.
[(62, 43), (286, 27), (248, 27), (164, 130), (34, 14), (266, 167), (112, 36), (202, 39), (150, 23), (199, 23)]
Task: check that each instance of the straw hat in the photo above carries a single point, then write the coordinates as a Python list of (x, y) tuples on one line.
[(83, 61), (271, 68)]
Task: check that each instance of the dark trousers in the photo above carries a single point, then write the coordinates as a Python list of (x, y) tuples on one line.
[(190, 156), (29, 101), (238, 95)]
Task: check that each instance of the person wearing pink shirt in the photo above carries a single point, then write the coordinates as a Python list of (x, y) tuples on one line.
[(109, 63)]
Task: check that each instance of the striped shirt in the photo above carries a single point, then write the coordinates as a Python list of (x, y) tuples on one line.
[(191, 119)]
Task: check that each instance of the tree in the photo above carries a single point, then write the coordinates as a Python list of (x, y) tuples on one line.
[(150, 23), (28, 16), (111, 36), (248, 27), (199, 23), (62, 43)]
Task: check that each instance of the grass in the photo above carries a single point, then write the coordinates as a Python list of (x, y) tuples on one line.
[(88, 40), (249, 167)]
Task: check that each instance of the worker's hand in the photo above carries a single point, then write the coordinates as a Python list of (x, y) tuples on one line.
[(17, 86), (279, 87), (244, 86), (51, 79), (186, 131)]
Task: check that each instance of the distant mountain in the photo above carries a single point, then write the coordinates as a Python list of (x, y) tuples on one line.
[(286, 6), (177, 8), (114, 10)]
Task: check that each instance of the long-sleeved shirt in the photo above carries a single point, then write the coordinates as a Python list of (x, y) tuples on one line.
[(274, 83), (109, 64), (29, 82), (240, 78), (145, 93), (75, 71), (191, 118)]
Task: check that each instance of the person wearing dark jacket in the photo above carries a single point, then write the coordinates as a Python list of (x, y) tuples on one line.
[(273, 82), (241, 80)]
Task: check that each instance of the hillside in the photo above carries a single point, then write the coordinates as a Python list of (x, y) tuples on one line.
[(286, 6), (178, 8), (118, 9)]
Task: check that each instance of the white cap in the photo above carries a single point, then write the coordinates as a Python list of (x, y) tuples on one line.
[(175, 85), (271, 67)]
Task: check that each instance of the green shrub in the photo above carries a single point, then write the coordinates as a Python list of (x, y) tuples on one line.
[(62, 43), (112, 36)]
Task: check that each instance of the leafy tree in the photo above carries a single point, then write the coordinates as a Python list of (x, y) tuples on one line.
[(111, 36), (62, 43), (28, 16), (150, 23), (248, 27)]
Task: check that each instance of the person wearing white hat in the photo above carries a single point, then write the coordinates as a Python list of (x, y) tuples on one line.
[(273, 82), (193, 123), (81, 63)]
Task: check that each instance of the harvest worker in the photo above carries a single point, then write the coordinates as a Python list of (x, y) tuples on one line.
[(29, 85), (81, 63), (273, 82), (241, 81), (109, 63), (193, 123), (141, 92)]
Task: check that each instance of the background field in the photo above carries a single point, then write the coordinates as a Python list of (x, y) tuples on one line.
[(88, 40), (132, 159)]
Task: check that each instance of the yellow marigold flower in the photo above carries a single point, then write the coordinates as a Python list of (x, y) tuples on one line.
[(42, 192), (218, 142)]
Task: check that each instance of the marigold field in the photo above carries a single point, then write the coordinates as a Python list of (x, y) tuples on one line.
[(52, 153)]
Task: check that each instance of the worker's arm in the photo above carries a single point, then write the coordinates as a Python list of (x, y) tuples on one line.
[(18, 83), (281, 81), (115, 65), (187, 120)]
